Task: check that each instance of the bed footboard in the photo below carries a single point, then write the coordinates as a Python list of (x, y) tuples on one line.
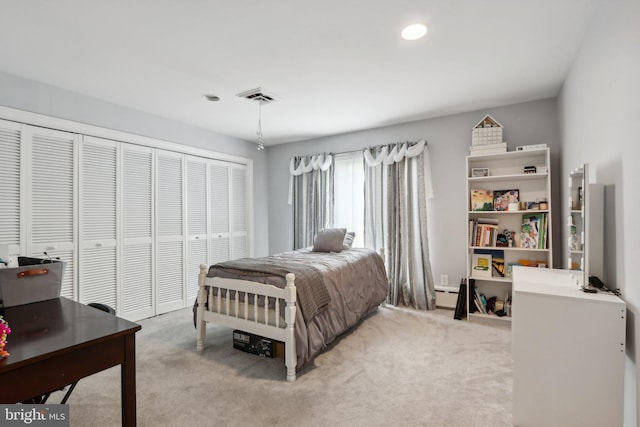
[(250, 306)]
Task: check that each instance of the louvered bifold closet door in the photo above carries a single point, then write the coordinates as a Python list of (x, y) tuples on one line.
[(239, 221), (10, 209), (137, 232), (169, 232), (197, 246), (53, 200), (220, 242), (98, 221)]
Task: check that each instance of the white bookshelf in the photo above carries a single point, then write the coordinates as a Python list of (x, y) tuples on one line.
[(586, 218), (506, 171)]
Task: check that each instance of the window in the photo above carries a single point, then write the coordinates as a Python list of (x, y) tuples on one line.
[(348, 194)]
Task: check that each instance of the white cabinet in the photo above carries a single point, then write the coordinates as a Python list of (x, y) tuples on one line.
[(132, 220), (137, 232), (38, 195), (10, 194), (197, 207), (98, 221), (238, 213), (495, 227), (52, 199), (229, 213), (568, 351), (220, 222), (170, 231)]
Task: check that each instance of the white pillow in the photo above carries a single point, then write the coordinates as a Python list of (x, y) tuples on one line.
[(348, 240)]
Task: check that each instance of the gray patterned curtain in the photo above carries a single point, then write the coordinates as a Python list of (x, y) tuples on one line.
[(312, 201), (397, 185)]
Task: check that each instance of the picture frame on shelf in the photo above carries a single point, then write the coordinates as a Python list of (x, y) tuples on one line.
[(481, 266), (497, 265), (481, 200), (479, 172), (502, 198)]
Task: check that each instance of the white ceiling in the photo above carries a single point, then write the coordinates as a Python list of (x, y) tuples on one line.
[(337, 65)]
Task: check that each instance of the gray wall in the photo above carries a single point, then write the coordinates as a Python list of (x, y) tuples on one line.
[(27, 95), (449, 139), (599, 107)]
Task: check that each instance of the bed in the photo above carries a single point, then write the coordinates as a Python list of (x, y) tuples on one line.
[(303, 298)]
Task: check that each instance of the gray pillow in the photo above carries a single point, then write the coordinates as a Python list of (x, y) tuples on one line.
[(348, 240), (329, 240)]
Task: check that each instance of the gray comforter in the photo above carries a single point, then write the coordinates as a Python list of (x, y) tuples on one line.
[(355, 281), (313, 296)]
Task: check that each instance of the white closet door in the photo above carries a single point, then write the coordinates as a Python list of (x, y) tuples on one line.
[(10, 192), (239, 235), (53, 201), (219, 211), (197, 199), (137, 232), (169, 232), (98, 221)]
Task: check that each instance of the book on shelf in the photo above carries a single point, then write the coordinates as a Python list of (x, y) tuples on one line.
[(485, 235), (478, 301), (492, 221), (533, 232), (483, 303), (481, 200), (483, 232), (477, 304)]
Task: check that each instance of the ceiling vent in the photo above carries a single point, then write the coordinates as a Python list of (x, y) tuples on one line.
[(258, 94)]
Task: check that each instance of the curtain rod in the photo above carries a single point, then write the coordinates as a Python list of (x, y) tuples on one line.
[(362, 149)]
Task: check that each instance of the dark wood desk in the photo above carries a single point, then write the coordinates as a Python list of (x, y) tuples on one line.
[(57, 342)]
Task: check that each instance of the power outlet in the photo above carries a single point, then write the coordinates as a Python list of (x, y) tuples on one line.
[(444, 280)]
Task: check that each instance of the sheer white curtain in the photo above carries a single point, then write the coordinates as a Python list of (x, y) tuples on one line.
[(311, 193), (397, 185), (348, 187)]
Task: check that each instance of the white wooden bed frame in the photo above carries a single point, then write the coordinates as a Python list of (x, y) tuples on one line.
[(253, 318)]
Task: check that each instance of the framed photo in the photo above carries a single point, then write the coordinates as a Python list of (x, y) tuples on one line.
[(479, 172), (502, 198), (481, 265), (481, 200)]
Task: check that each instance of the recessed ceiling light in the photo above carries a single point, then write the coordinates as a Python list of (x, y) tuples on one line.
[(414, 32), (211, 98)]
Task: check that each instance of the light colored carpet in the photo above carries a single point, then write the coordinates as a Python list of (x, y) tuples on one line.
[(397, 367)]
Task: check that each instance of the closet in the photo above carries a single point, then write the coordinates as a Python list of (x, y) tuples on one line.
[(132, 220)]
